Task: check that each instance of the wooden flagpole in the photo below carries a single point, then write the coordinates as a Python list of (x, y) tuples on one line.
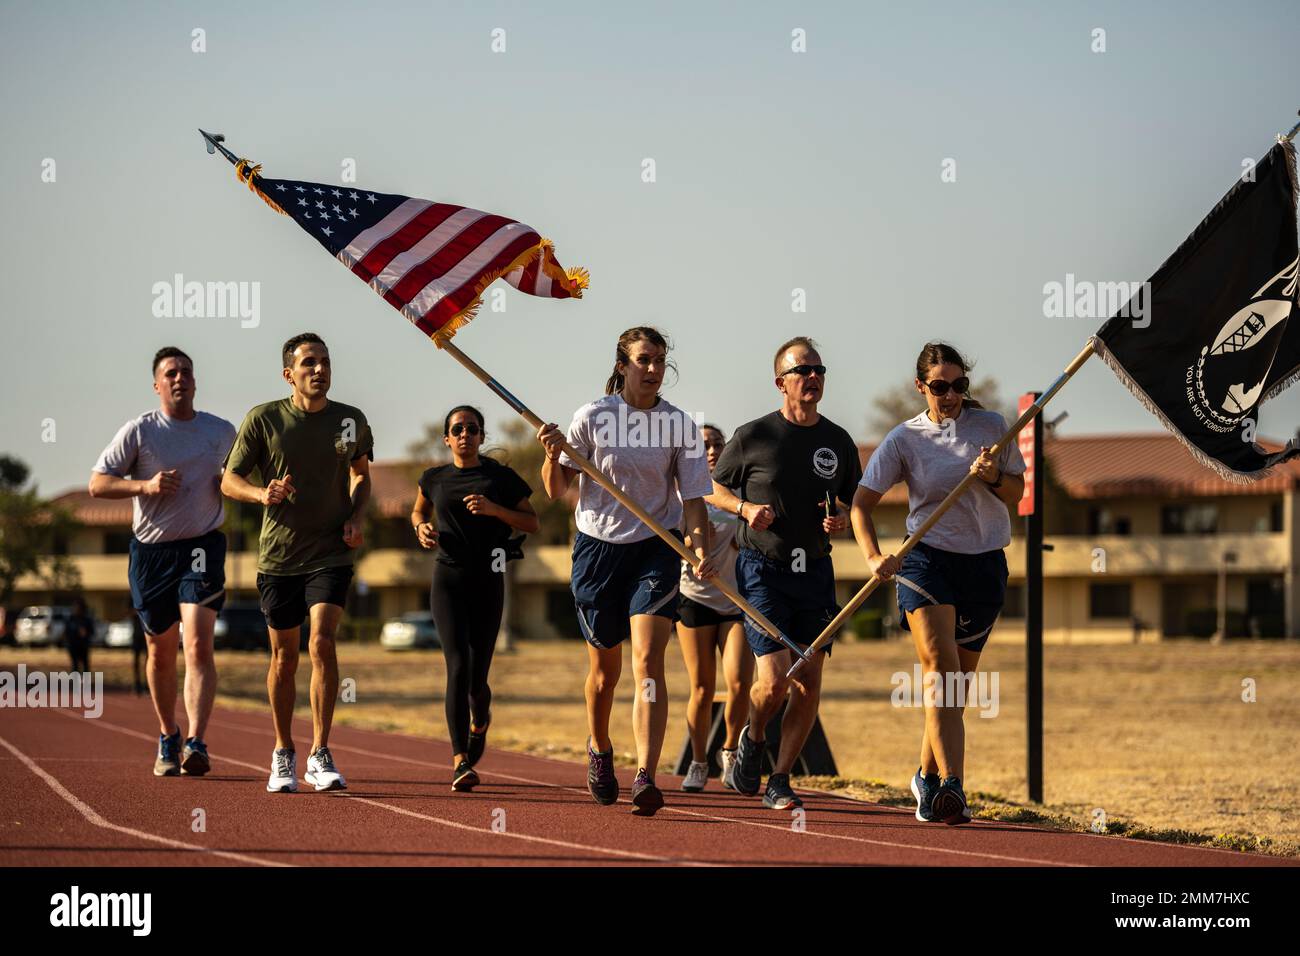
[(214, 143), (596, 475), (915, 537)]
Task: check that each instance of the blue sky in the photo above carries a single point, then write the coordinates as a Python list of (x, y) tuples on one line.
[(775, 170)]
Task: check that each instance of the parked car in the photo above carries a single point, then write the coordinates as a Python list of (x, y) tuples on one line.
[(41, 625), (413, 630), (100, 637), (120, 633), (242, 627)]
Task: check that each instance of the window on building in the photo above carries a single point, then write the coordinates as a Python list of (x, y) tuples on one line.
[(117, 542), (1110, 601), (1275, 516), (1103, 520), (1014, 606), (1189, 519)]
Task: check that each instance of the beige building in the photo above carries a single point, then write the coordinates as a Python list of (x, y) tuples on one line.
[(1141, 537)]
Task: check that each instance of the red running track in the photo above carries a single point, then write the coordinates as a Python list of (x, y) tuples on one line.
[(80, 792)]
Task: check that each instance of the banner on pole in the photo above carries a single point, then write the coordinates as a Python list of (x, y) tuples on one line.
[(1215, 335)]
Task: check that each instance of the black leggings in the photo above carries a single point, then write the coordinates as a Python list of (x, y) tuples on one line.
[(79, 654), (466, 607)]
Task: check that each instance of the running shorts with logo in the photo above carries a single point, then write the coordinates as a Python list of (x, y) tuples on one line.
[(974, 584)]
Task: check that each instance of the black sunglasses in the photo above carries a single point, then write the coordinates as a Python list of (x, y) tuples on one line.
[(458, 428), (940, 387), (805, 370)]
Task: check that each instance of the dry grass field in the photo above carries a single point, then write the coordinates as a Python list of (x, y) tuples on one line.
[(1156, 736)]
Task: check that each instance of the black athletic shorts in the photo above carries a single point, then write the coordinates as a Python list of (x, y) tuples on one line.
[(695, 614), (285, 598)]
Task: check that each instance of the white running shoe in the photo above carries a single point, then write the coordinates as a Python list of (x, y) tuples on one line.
[(697, 775), (284, 772), (321, 773), (727, 761)]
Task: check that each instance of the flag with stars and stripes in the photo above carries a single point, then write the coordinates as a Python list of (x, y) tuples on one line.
[(431, 261)]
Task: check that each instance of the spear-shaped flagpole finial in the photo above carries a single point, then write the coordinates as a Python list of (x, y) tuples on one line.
[(214, 141), (246, 170)]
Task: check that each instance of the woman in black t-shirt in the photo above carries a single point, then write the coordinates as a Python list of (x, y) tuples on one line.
[(477, 502)]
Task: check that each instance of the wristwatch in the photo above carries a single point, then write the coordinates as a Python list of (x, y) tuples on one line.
[(740, 509)]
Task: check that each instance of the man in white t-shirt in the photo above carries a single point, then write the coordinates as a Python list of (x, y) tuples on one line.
[(169, 461)]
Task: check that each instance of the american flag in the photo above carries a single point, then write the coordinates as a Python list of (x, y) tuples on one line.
[(431, 261)]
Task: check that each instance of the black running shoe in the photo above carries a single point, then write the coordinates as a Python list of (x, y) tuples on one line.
[(646, 797), (778, 795), (464, 779), (600, 776), (477, 742), (949, 804), (748, 772), (168, 761), (194, 758)]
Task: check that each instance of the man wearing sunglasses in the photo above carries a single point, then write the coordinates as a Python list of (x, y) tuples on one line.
[(789, 476), (312, 457)]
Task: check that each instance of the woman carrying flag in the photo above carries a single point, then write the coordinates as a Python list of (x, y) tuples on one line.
[(477, 502), (951, 586), (625, 578), (711, 623)]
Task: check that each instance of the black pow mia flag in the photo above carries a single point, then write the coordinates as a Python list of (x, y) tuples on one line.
[(1218, 333)]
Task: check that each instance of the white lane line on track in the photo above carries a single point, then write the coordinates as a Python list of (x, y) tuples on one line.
[(720, 819), (974, 824), (92, 817), (465, 826), (647, 857)]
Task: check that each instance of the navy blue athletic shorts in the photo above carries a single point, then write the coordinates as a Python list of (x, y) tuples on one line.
[(974, 584), (165, 575), (799, 603), (612, 582)]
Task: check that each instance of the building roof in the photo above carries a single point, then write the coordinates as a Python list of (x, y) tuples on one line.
[(1154, 464), (1088, 467)]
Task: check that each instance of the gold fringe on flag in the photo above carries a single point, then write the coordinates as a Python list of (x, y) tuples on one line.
[(573, 281), (246, 172)]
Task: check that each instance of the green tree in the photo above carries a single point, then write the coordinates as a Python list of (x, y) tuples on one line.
[(30, 533)]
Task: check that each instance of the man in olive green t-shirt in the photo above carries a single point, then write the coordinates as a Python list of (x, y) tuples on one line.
[(312, 457)]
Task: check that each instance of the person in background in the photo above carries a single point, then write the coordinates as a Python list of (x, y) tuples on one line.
[(78, 632), (478, 502), (710, 624)]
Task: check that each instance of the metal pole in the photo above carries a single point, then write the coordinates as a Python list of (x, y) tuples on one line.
[(1034, 623)]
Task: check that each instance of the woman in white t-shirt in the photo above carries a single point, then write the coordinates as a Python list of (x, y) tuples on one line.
[(952, 585), (710, 623), (624, 577)]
